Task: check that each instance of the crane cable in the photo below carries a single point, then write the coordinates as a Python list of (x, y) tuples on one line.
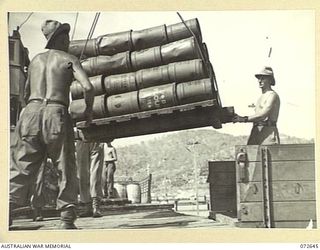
[(93, 26), (19, 27), (75, 25)]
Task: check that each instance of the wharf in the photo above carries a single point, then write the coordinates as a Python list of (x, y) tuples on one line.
[(129, 216)]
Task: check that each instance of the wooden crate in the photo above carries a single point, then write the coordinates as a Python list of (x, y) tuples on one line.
[(222, 185), (276, 186)]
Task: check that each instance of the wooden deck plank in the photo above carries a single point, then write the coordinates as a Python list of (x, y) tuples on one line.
[(153, 219)]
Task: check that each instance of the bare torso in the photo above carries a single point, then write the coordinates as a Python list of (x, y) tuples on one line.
[(50, 76), (271, 101)]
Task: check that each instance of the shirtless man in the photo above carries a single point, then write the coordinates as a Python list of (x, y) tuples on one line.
[(264, 120), (45, 127)]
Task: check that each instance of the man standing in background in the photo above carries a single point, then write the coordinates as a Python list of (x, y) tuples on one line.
[(110, 158), (90, 164)]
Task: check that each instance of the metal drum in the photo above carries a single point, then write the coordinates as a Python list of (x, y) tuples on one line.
[(194, 91), (121, 104), (109, 65), (134, 192), (148, 38), (182, 50), (179, 31), (121, 190), (158, 97), (186, 71), (77, 108), (117, 84), (76, 47), (151, 77), (147, 58), (114, 43), (77, 90)]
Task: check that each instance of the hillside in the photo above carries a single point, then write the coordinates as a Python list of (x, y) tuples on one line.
[(169, 159)]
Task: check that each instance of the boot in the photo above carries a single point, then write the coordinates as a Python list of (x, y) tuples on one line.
[(68, 216), (87, 212), (96, 207), (37, 214)]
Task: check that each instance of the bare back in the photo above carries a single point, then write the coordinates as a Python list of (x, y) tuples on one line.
[(50, 75)]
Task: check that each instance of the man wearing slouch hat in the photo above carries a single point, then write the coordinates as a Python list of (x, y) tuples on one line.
[(45, 127), (264, 130)]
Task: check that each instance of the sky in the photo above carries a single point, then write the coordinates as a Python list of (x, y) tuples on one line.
[(238, 43)]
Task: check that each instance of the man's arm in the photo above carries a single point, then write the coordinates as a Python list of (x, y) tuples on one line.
[(88, 92), (114, 154), (262, 114), (267, 107)]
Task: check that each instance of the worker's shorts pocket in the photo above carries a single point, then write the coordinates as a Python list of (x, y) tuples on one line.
[(56, 124), (29, 125)]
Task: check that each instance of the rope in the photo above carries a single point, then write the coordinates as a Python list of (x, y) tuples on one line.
[(93, 26), (19, 27), (75, 25)]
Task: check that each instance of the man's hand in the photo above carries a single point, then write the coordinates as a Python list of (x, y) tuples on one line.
[(238, 118), (88, 117)]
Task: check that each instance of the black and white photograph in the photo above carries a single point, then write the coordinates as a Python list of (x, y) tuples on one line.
[(161, 120)]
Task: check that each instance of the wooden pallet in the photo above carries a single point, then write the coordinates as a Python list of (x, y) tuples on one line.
[(194, 115)]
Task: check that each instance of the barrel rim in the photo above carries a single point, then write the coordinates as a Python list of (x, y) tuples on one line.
[(73, 45), (164, 32), (131, 93), (129, 39), (155, 51), (199, 28), (206, 52), (103, 104), (74, 86), (109, 79), (179, 86), (191, 21)]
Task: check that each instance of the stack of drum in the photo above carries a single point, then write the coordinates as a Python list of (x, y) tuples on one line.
[(137, 71)]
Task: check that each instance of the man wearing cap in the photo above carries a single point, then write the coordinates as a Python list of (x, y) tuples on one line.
[(45, 127), (264, 120)]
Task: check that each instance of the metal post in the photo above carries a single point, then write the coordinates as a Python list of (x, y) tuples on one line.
[(196, 178), (266, 188), (195, 169)]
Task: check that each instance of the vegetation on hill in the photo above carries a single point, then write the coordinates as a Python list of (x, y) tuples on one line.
[(171, 159)]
